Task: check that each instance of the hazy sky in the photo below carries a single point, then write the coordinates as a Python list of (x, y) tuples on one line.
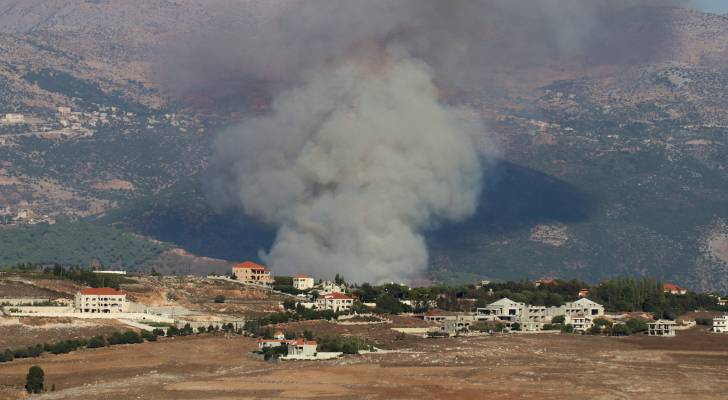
[(716, 6)]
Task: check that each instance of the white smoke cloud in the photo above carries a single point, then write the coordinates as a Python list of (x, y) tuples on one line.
[(357, 157), (352, 166)]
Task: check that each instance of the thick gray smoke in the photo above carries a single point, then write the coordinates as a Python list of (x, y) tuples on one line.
[(352, 166), (464, 41), (358, 155)]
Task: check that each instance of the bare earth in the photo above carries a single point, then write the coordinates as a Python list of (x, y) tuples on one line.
[(545, 366)]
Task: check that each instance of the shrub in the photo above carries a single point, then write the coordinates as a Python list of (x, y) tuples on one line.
[(65, 346), (704, 321), (515, 326), (96, 341), (602, 322), (186, 330), (559, 319), (620, 330), (637, 325), (201, 329), (568, 328), (594, 330), (132, 337), (34, 379), (6, 356), (219, 298)]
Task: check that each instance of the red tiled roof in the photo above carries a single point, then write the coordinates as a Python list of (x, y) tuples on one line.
[(102, 291), (303, 277), (672, 286), (337, 296), (297, 342), (249, 265), (301, 342)]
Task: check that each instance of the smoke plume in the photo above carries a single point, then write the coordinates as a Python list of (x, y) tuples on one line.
[(351, 166), (358, 155)]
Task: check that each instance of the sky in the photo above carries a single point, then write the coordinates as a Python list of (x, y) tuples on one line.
[(715, 6)]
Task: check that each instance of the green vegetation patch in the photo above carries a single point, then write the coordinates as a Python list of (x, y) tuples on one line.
[(77, 243)]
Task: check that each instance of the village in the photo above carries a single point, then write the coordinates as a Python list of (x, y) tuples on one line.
[(51, 316), (302, 298)]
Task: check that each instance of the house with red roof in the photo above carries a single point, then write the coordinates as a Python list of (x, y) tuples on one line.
[(335, 301), (671, 288), (303, 282), (100, 300), (250, 272)]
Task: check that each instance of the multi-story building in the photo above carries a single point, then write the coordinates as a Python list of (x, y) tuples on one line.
[(533, 318), (585, 307), (327, 287), (250, 272), (661, 327), (303, 282), (505, 309), (720, 324), (334, 301), (100, 300), (580, 322)]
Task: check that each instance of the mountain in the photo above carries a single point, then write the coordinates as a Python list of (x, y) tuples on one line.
[(607, 165)]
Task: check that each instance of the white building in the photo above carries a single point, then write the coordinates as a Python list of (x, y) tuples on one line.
[(334, 301), (661, 327), (303, 282), (13, 118), (266, 343), (109, 272), (100, 300), (64, 112), (580, 322), (584, 306), (250, 272), (302, 348), (505, 308), (533, 318), (328, 287), (720, 324)]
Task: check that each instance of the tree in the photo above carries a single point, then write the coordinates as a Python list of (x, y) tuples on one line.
[(515, 326), (594, 330), (289, 304), (602, 322), (620, 330), (34, 380), (559, 319), (388, 304), (637, 325)]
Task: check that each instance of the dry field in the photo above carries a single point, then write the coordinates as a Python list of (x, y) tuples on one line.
[(27, 331), (693, 365)]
